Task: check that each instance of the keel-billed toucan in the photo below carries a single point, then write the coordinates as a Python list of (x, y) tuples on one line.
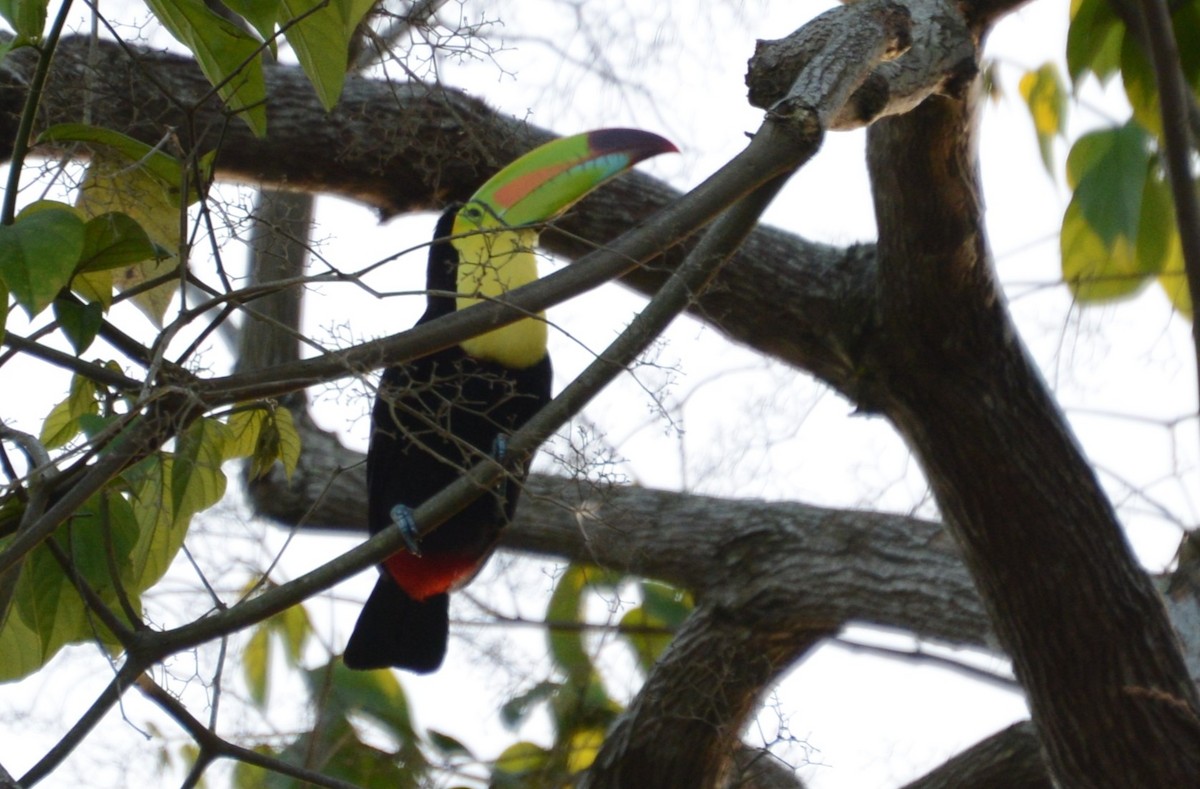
[(435, 416)]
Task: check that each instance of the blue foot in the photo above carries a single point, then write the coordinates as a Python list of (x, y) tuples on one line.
[(403, 519), (500, 447)]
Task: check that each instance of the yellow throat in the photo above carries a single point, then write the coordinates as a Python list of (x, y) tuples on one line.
[(490, 265)]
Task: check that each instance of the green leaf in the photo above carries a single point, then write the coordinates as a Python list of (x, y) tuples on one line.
[(1107, 170), (582, 748), (1173, 280), (583, 702), (63, 422), (1093, 40), (250, 776), (39, 252), (48, 611), (567, 647), (80, 322), (261, 14), (136, 155), (228, 56), (1094, 269), (101, 539), (1159, 247), (1137, 75), (449, 746), (1046, 98), (666, 603), (516, 710), (517, 762), (111, 185), (663, 608), (291, 625), (289, 440), (46, 615), (294, 627), (255, 659), (245, 427), (1186, 20), (197, 481), (93, 425), (3, 309), (161, 529), (374, 693), (20, 644), (264, 433), (1156, 228), (334, 746), (27, 17), (321, 40), (113, 240), (1103, 221)]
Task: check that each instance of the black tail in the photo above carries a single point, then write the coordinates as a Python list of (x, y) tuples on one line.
[(396, 630)]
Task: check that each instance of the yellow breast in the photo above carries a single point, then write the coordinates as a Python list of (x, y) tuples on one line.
[(490, 265)]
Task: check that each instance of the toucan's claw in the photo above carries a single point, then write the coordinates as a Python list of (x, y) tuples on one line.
[(402, 517)]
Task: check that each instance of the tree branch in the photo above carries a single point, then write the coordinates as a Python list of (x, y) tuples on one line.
[(405, 147), (683, 727), (938, 58), (1009, 759), (1095, 653), (212, 746)]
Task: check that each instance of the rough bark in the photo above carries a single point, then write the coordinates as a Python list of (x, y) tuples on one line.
[(1009, 759), (683, 727), (1087, 632), (939, 45), (406, 147), (789, 561), (279, 238)]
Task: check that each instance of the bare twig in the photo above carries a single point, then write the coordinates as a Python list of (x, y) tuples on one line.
[(213, 746)]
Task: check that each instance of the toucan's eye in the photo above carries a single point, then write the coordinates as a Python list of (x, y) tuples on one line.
[(472, 213)]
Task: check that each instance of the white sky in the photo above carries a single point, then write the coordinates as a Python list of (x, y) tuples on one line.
[(869, 722)]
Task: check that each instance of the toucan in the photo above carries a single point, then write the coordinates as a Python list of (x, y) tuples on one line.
[(438, 415)]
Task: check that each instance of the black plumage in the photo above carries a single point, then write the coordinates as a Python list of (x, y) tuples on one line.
[(433, 418)]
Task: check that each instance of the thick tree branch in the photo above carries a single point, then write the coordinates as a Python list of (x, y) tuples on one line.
[(683, 727), (1087, 631), (403, 147), (801, 562), (941, 60), (1009, 759)]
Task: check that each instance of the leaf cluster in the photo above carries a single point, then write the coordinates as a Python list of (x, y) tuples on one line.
[(1118, 231)]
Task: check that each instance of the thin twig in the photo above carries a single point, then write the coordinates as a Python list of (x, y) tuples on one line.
[(213, 746), (99, 708), (919, 655), (25, 128)]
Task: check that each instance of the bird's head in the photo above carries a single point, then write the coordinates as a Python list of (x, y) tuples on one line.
[(541, 185), (494, 233)]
